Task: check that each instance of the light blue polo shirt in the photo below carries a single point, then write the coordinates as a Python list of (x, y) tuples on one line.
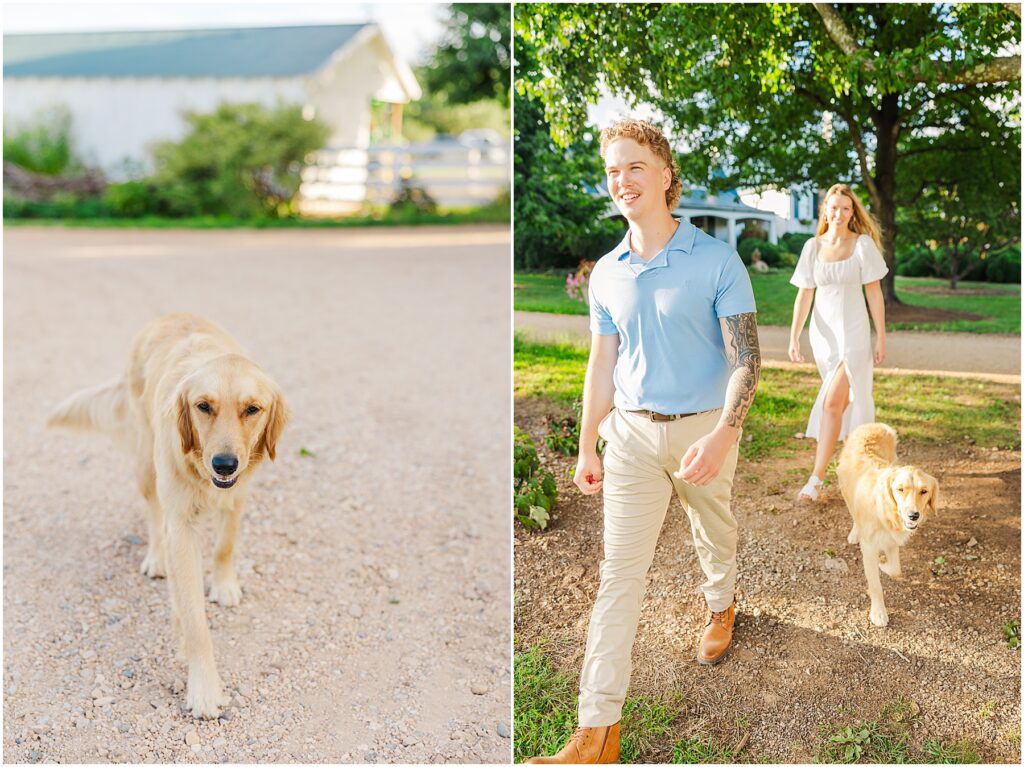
[(666, 312)]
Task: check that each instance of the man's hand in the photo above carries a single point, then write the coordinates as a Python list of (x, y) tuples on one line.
[(704, 459), (589, 476)]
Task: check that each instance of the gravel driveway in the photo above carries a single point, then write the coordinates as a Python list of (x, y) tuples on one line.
[(374, 554)]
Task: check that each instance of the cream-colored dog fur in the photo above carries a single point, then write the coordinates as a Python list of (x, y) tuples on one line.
[(887, 503), (189, 394)]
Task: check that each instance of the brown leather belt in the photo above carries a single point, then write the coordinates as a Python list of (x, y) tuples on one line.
[(661, 417)]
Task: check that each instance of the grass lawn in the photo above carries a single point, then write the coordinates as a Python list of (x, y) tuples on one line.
[(921, 408), (999, 305), (545, 715)]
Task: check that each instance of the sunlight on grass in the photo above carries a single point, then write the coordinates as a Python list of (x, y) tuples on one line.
[(997, 305)]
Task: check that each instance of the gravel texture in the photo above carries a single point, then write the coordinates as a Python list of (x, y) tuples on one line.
[(374, 553)]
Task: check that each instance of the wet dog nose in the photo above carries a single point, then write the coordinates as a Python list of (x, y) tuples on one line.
[(224, 464), (914, 515)]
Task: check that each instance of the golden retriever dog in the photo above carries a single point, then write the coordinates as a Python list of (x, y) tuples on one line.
[(199, 417), (887, 503)]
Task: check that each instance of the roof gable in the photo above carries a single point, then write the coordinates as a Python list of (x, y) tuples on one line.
[(254, 52)]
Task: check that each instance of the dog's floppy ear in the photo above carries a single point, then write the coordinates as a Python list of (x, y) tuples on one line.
[(933, 497), (186, 430), (276, 420), (886, 500)]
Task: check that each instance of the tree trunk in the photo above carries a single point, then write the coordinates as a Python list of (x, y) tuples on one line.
[(886, 121)]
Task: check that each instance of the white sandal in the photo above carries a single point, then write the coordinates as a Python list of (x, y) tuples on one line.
[(809, 492)]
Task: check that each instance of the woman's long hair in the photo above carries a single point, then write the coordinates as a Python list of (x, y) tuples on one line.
[(862, 221)]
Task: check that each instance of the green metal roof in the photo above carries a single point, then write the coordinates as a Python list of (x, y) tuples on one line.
[(257, 52)]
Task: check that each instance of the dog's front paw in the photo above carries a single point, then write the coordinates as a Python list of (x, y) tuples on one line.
[(892, 569), (205, 697), (854, 536), (879, 616), (153, 564), (225, 591)]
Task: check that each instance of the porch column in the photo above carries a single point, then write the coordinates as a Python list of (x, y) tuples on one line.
[(731, 221), (773, 236)]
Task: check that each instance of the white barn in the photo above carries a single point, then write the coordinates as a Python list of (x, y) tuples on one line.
[(126, 91)]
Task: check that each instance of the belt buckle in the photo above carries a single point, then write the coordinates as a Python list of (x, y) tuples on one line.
[(659, 417)]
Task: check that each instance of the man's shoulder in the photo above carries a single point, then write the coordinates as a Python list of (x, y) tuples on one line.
[(712, 247)]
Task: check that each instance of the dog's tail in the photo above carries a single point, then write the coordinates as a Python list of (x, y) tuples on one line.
[(877, 440), (102, 408)]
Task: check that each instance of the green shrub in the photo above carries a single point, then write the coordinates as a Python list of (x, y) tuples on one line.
[(770, 254), (564, 434), (242, 160), (535, 492), (1011, 632), (44, 147), (61, 205), (794, 241), (914, 262), (1003, 266), (132, 199)]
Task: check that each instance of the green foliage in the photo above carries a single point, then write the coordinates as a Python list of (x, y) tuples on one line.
[(1011, 631), (697, 751), (43, 147), (644, 723), (1004, 265), (564, 433), (473, 59), (535, 492), (412, 199), (772, 99), (544, 705), (242, 160), (558, 222), (963, 752), (794, 241), (433, 115), (62, 206), (770, 254), (957, 197)]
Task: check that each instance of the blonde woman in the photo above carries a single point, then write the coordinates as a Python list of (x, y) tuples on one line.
[(836, 263)]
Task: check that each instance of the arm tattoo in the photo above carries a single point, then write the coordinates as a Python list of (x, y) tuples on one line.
[(744, 355)]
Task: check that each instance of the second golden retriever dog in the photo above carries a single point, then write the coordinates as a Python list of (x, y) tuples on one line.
[(198, 416), (888, 503)]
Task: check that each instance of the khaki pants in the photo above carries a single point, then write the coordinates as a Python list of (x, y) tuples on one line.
[(638, 463)]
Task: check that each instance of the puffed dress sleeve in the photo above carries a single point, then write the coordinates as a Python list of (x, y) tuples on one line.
[(872, 262), (803, 275)]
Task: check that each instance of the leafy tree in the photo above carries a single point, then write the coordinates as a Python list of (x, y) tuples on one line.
[(242, 160), (955, 197), (558, 221), (473, 60), (43, 147), (784, 93)]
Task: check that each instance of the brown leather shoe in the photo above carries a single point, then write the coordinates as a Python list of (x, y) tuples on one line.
[(588, 745), (717, 636)]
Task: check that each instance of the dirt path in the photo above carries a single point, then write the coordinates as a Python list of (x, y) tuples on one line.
[(374, 624), (805, 655), (993, 356)]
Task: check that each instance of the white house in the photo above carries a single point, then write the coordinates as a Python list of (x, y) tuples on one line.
[(126, 91)]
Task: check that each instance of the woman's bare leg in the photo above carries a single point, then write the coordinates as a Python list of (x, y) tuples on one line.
[(836, 401)]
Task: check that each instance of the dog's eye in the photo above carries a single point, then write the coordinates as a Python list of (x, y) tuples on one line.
[(252, 410), (924, 492), (204, 407)]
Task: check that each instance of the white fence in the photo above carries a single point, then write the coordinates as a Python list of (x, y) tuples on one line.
[(455, 173)]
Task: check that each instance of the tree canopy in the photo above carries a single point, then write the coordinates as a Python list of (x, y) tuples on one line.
[(473, 60), (785, 94)]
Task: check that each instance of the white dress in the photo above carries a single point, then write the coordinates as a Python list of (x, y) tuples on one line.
[(840, 332)]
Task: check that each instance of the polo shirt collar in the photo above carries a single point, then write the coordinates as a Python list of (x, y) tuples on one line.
[(681, 242)]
